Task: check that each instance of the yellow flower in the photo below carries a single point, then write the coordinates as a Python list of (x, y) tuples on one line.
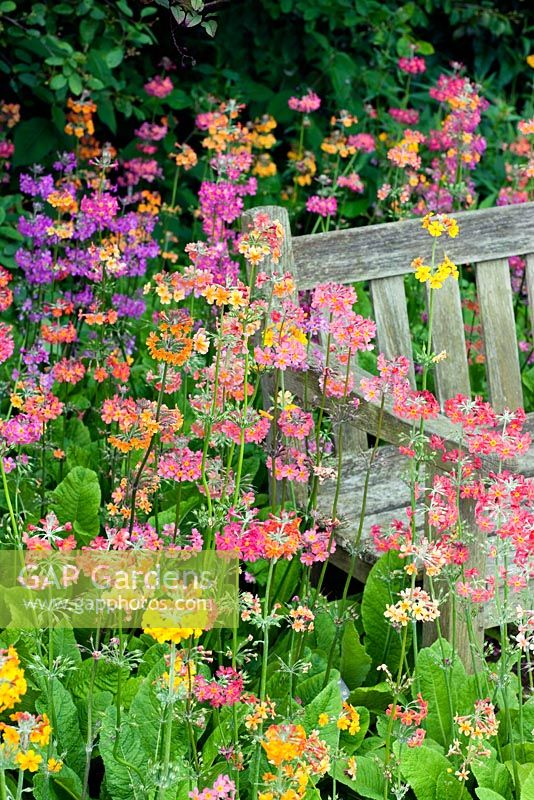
[(439, 224), (352, 767), (530, 60), (323, 720), (54, 765), (12, 682), (349, 720), (29, 760)]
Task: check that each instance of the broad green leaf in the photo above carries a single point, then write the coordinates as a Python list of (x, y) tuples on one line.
[(369, 780), (146, 715), (421, 767), (491, 774), (64, 784), (448, 787), (77, 500), (75, 84), (375, 698), (527, 786), (355, 663), (483, 793), (329, 702), (65, 725), (382, 641), (119, 776), (309, 688)]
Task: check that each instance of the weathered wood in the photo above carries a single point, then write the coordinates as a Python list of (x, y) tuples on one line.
[(382, 254), (530, 289), (391, 317), (452, 374), (381, 251), (500, 342), (387, 497), (394, 429)]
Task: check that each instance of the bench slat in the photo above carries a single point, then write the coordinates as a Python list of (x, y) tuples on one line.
[(452, 374), (391, 317), (500, 342), (380, 251)]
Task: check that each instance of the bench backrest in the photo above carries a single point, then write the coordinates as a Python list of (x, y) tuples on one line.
[(382, 254)]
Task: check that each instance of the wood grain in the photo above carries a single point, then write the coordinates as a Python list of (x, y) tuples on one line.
[(500, 342), (391, 317), (381, 251), (452, 374)]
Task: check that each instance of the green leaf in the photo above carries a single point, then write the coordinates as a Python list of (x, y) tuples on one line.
[(483, 793), (146, 712), (375, 698), (355, 663), (114, 57), (65, 725), (328, 701), (309, 688), (210, 26), (491, 774), (436, 680), (106, 112), (34, 139), (527, 786), (382, 641), (448, 787), (422, 766), (65, 784), (77, 500), (57, 82), (369, 781), (75, 84), (120, 777)]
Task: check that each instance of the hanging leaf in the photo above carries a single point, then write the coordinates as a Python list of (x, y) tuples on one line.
[(382, 641), (355, 662)]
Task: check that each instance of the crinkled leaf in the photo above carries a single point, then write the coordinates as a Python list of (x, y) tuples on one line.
[(421, 767), (77, 500)]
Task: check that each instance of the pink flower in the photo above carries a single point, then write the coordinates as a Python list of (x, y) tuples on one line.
[(324, 206), (413, 65), (351, 181), (159, 87), (7, 344), (406, 116), (308, 102)]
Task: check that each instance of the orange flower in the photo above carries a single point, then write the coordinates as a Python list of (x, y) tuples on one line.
[(284, 743)]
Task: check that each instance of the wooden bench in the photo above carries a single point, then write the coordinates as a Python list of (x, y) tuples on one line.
[(382, 255)]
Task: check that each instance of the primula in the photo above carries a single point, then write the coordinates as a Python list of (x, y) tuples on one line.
[(349, 720), (12, 681), (413, 65), (324, 206), (307, 103), (473, 729), (414, 604)]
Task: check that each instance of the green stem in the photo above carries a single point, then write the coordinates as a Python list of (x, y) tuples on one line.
[(12, 517), (393, 710), (167, 735), (3, 787)]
